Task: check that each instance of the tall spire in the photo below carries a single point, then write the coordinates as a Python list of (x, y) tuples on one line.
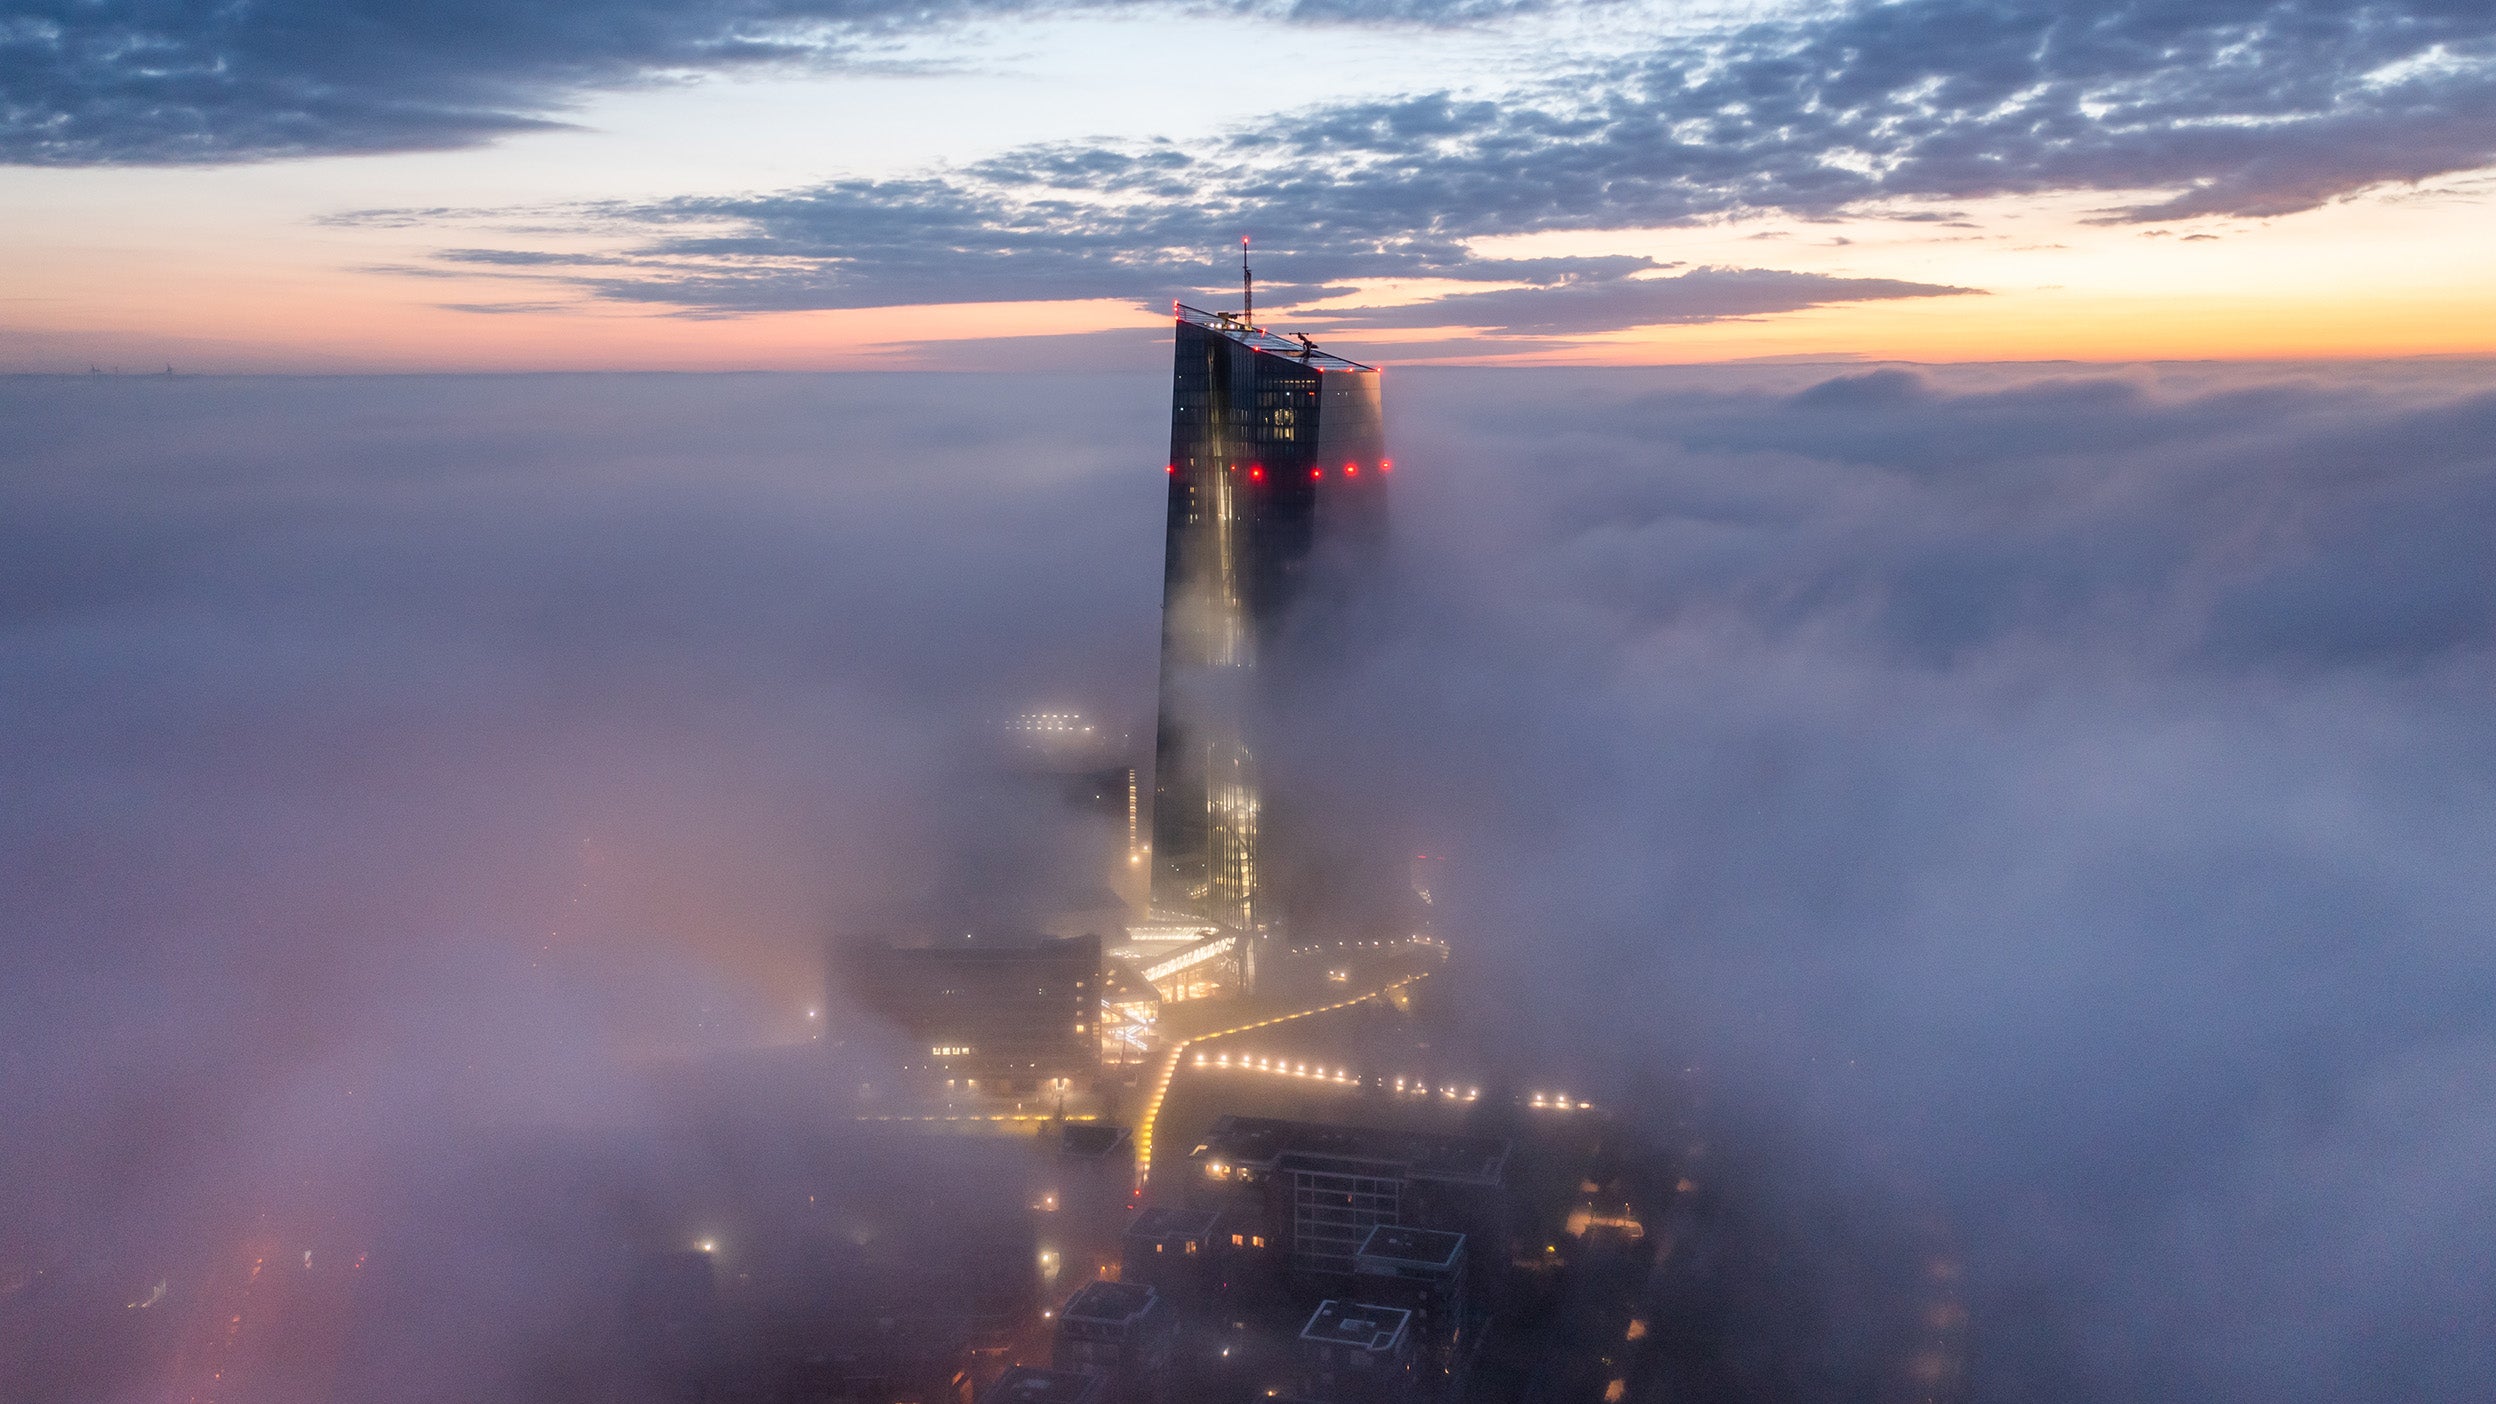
[(1247, 287)]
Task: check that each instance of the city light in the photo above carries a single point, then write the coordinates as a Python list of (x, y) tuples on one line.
[(1170, 1065)]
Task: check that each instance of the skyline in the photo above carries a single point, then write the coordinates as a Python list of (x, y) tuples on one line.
[(794, 186)]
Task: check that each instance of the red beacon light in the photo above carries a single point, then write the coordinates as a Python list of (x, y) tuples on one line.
[(1172, 470), (1351, 470), (1316, 473), (1386, 465), (1256, 472)]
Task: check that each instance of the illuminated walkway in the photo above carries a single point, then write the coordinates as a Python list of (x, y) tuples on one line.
[(1170, 1064), (983, 1116)]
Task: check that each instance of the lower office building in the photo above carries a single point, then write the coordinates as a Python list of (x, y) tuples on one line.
[(1123, 1332), (1177, 1251), (1020, 1011), (1357, 1353), (1324, 1188), (1423, 1271)]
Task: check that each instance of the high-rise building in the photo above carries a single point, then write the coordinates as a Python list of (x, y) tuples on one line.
[(1277, 471)]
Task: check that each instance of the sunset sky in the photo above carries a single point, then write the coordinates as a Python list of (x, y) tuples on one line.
[(1935, 622), (584, 184)]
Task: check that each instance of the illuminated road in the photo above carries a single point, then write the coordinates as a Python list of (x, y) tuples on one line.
[(1170, 1063), (982, 1116)]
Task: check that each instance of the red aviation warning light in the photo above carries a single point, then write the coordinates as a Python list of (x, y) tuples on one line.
[(1256, 472), (1386, 465), (1316, 473), (1351, 470), (1172, 470)]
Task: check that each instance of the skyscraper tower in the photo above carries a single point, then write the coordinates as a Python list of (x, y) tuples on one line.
[(1277, 468)]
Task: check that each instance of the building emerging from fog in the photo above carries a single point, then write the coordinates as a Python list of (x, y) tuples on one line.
[(1277, 467), (1021, 1012)]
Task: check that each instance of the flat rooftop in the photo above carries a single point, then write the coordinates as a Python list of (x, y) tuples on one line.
[(1167, 1221), (1416, 1247), (1260, 339), (1089, 1141), (1356, 1324), (1113, 1302), (1025, 1384), (1261, 1142)]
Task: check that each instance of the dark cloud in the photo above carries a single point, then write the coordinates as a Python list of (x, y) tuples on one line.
[(137, 82), (901, 242), (159, 84), (1584, 306), (2248, 108)]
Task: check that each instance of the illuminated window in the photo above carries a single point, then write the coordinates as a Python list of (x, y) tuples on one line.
[(1239, 1240), (1255, 1242)]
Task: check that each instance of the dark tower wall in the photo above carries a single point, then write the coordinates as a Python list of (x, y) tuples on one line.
[(1274, 454)]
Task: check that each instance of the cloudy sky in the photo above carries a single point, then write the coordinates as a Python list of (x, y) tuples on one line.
[(285, 184)]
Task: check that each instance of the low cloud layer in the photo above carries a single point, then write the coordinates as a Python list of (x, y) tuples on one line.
[(2058, 794), (2058, 798)]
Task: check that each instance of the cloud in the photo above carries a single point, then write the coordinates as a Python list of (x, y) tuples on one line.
[(2246, 108), (128, 82), (2055, 798), (1586, 306), (2058, 790)]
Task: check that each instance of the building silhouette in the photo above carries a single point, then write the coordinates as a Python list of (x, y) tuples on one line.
[(1277, 467)]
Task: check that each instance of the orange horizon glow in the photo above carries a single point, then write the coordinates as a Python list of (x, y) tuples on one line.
[(363, 335), (2050, 281)]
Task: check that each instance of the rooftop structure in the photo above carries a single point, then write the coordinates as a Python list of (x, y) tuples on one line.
[(1173, 1249), (1173, 1226), (1252, 1146), (1122, 1332), (1392, 1251), (1298, 348), (1024, 1384), (1376, 1329), (1113, 1304), (1335, 1185), (1358, 1353)]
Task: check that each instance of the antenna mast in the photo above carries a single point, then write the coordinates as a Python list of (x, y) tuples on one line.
[(1247, 287)]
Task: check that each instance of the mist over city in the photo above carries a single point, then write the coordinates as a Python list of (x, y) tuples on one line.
[(2021, 815), (1167, 702)]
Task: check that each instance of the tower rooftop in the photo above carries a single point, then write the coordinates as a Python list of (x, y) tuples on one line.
[(1261, 339)]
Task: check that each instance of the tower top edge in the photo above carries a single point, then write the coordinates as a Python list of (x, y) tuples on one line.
[(1260, 339)]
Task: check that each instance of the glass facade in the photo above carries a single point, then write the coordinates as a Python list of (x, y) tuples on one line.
[(1277, 459)]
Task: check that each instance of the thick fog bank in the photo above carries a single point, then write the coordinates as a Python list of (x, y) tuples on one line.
[(2059, 797)]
